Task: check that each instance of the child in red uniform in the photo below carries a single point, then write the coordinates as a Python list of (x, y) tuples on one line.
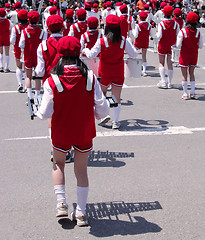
[(14, 39), (77, 29), (71, 90), (30, 38), (189, 40), (141, 33), (68, 22), (167, 34), (178, 17), (111, 68), (4, 40), (124, 20)]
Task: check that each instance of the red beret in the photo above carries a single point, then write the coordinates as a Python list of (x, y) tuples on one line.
[(118, 4), (7, 5), (55, 2), (69, 13), (51, 1), (68, 46), (22, 14), (104, 5), (112, 21), (163, 4), (192, 17), (53, 10), (168, 10), (123, 8), (2, 12), (88, 4), (92, 22), (108, 4), (33, 16), (146, 6), (143, 15), (95, 5), (81, 13), (54, 23), (177, 12), (18, 5)]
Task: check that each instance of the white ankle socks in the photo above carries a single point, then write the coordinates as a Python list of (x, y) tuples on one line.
[(116, 113), (82, 196), (7, 62), (29, 92), (37, 92), (1, 60), (60, 194), (19, 75), (162, 74), (144, 66), (170, 76), (184, 85), (192, 87)]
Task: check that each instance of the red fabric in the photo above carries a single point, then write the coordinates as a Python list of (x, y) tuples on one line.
[(4, 33), (142, 41), (168, 37), (180, 21), (73, 120), (82, 26), (124, 25), (17, 49), (189, 48), (67, 29)]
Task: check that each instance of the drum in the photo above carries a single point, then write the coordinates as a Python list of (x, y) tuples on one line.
[(133, 67), (92, 64), (175, 54)]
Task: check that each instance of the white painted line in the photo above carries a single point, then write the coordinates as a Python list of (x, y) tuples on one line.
[(8, 92), (138, 132)]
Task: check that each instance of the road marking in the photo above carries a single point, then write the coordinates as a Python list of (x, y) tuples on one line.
[(138, 132), (8, 92)]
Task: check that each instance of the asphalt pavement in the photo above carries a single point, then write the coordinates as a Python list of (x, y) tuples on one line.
[(146, 179)]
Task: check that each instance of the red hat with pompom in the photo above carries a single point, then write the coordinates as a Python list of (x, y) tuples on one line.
[(68, 46), (192, 17), (92, 22), (112, 21), (23, 14)]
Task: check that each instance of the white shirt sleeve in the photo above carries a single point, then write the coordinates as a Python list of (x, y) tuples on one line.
[(40, 68), (135, 31), (178, 29), (13, 36), (201, 42), (71, 32), (159, 32), (101, 108), (92, 53), (46, 109), (22, 41), (179, 40), (130, 49)]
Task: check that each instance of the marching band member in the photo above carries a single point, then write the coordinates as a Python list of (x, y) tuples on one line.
[(124, 20), (14, 39), (4, 40), (68, 22), (141, 33), (117, 8), (159, 15), (150, 16), (70, 89), (111, 68), (108, 10), (77, 29), (59, 12), (167, 34), (89, 13), (14, 15), (189, 40), (177, 17), (30, 38), (95, 9)]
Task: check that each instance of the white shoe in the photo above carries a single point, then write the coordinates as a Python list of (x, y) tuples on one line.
[(62, 210), (161, 84), (144, 74), (115, 125), (170, 85), (185, 97), (105, 120)]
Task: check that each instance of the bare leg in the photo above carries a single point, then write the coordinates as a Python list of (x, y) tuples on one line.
[(58, 167)]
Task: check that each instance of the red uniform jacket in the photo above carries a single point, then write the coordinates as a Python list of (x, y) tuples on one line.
[(124, 25), (142, 40), (79, 28)]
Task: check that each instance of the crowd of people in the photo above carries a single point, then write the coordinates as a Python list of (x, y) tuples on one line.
[(52, 43)]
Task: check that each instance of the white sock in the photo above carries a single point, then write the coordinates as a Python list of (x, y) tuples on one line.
[(144, 66), (29, 92), (116, 113), (49, 131), (19, 74), (82, 196), (6, 62), (37, 92), (184, 85), (192, 87), (1, 60), (60, 194), (170, 76), (162, 74)]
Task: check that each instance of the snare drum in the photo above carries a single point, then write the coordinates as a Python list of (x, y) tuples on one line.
[(92, 64), (175, 54), (133, 67)]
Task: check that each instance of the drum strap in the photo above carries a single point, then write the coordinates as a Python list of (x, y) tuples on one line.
[(185, 34), (77, 27), (197, 33), (44, 45), (65, 25), (87, 38), (89, 84), (41, 35), (57, 82), (18, 29), (122, 43)]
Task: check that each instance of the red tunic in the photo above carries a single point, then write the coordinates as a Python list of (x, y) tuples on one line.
[(124, 25), (33, 37), (49, 55), (73, 120), (66, 28), (168, 38), (4, 32), (179, 20), (79, 28), (17, 50), (189, 49), (142, 40)]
